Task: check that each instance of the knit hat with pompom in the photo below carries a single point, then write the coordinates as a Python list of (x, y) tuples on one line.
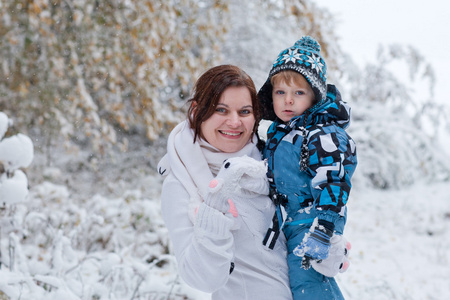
[(303, 57)]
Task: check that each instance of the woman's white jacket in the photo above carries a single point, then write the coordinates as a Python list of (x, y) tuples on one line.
[(207, 242)]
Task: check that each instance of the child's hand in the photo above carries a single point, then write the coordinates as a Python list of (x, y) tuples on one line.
[(315, 245), (337, 261)]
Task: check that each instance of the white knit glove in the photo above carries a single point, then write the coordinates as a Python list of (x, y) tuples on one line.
[(337, 261)]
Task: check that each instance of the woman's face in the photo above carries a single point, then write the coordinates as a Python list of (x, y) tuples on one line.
[(230, 126)]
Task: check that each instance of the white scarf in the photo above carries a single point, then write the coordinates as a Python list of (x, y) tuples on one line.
[(196, 164)]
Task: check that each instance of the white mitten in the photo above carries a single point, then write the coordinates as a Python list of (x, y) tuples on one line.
[(337, 261), (237, 178), (216, 198)]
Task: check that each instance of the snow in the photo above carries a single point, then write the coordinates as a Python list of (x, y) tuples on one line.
[(400, 243), (13, 189), (15, 152), (58, 245)]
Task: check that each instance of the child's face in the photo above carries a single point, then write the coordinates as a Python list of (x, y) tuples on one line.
[(291, 100)]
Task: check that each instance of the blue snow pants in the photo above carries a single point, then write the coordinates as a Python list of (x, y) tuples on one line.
[(308, 284)]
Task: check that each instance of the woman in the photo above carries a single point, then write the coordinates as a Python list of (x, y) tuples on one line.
[(213, 254)]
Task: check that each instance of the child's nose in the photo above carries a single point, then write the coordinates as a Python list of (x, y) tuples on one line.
[(289, 99)]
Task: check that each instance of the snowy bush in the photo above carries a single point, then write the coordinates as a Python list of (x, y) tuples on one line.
[(15, 152), (54, 246), (396, 125), (99, 248)]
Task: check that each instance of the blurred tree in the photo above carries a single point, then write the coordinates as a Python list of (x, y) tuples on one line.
[(396, 123), (82, 70)]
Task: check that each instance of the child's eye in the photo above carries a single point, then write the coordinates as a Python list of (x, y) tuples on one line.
[(279, 92), (300, 92)]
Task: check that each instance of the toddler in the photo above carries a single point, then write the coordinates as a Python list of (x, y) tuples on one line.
[(311, 160)]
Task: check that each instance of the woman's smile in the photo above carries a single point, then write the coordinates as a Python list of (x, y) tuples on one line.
[(231, 134)]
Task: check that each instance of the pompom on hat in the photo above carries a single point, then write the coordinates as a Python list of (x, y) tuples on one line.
[(303, 57)]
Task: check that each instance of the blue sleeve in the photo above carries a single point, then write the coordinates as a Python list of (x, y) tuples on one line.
[(332, 161)]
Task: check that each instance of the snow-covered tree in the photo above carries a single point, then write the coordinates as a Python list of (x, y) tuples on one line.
[(396, 123), (85, 70)]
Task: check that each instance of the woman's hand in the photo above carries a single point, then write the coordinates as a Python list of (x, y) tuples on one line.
[(218, 200)]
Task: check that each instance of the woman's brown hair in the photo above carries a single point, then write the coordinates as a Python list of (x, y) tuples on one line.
[(208, 90)]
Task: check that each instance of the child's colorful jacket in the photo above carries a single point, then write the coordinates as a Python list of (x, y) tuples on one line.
[(311, 161)]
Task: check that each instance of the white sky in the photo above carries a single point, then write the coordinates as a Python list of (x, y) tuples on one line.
[(364, 24)]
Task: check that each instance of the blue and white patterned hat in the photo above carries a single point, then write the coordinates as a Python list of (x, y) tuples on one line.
[(303, 57)]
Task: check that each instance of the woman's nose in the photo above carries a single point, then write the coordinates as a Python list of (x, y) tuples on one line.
[(234, 120)]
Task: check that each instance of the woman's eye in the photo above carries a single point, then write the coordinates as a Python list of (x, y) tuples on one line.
[(246, 112), (221, 110)]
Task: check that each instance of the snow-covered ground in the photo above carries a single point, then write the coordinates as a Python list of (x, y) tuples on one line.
[(401, 243)]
